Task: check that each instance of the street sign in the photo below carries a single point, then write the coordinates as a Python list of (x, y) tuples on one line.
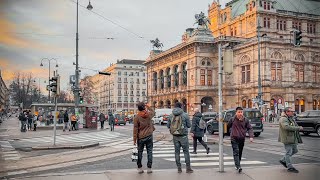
[(72, 79)]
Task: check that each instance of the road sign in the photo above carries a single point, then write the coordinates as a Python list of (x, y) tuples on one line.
[(72, 79)]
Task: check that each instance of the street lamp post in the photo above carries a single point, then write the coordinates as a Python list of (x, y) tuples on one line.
[(76, 89), (41, 64)]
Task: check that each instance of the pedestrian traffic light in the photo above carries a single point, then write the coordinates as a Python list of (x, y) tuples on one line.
[(297, 38), (55, 85), (80, 99)]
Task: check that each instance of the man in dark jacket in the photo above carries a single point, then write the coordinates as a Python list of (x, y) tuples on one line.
[(143, 134), (111, 120), (290, 137), (23, 120), (240, 126), (102, 118), (181, 140), (66, 120), (30, 120), (196, 132)]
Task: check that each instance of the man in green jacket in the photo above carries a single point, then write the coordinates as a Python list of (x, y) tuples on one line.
[(290, 137)]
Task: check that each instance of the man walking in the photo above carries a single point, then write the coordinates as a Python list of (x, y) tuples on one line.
[(290, 137), (143, 134), (111, 120), (197, 132), (65, 121), (102, 118), (178, 124), (239, 127)]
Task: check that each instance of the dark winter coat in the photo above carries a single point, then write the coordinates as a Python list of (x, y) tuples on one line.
[(111, 118), (195, 129), (185, 119), (102, 117)]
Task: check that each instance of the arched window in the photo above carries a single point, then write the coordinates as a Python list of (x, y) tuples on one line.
[(168, 78), (244, 103), (302, 105), (176, 76), (249, 103), (314, 105), (272, 104), (296, 105), (161, 79), (184, 74)]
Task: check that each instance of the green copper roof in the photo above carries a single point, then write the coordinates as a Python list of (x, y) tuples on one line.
[(297, 6)]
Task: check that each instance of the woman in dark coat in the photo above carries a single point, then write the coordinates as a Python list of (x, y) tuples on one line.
[(111, 121), (196, 132)]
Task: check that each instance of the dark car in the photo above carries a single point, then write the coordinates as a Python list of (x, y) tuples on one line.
[(310, 121), (119, 119), (254, 116)]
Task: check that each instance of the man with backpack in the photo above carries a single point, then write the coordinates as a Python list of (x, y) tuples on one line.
[(111, 120), (197, 131), (143, 134), (239, 127), (178, 124)]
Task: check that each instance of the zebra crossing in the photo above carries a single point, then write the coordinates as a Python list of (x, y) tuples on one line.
[(165, 151), (104, 138), (8, 152)]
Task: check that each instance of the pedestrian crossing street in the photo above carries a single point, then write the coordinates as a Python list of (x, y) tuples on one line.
[(8, 152), (165, 151), (104, 138)]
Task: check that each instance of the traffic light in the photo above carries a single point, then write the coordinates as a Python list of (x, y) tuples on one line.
[(54, 85), (297, 38), (80, 100)]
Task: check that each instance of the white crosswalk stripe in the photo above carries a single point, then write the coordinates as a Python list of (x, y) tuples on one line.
[(104, 138), (8, 152)]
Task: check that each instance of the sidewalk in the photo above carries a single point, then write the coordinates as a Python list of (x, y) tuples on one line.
[(307, 172)]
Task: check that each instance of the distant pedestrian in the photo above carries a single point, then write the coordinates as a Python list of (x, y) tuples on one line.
[(30, 120), (23, 120), (73, 122), (197, 132), (271, 118), (290, 137), (143, 134), (35, 119), (102, 118), (239, 127), (66, 121), (111, 120), (178, 124)]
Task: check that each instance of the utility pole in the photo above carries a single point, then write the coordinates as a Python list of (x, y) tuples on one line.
[(259, 97)]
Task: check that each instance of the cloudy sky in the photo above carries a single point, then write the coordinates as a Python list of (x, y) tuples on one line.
[(115, 29)]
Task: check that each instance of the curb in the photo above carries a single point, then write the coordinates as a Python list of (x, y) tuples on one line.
[(64, 147)]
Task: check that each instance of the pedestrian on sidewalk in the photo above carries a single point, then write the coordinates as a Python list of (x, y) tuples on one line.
[(30, 120), (197, 132), (65, 121), (143, 134), (73, 122), (290, 137), (111, 120), (35, 119), (102, 118), (239, 127), (23, 120), (178, 124)]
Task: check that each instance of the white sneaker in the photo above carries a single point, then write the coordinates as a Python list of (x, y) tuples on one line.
[(140, 170), (149, 170)]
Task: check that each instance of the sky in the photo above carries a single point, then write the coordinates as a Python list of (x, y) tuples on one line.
[(32, 30)]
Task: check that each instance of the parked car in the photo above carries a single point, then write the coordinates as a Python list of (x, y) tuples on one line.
[(119, 119), (254, 116), (161, 116), (310, 121)]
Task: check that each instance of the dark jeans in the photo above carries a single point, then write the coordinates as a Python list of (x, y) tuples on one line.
[(73, 125), (23, 125), (102, 124), (34, 127), (29, 125), (112, 126), (181, 141), (195, 139), (237, 147), (148, 141)]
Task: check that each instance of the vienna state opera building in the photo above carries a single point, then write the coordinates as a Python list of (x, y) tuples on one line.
[(290, 74)]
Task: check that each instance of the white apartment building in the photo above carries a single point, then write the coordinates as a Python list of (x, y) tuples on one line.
[(125, 87)]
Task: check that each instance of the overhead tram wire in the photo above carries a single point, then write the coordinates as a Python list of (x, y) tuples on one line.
[(126, 29)]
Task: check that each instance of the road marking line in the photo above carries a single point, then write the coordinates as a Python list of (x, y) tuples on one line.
[(202, 158), (192, 155), (227, 163), (165, 151)]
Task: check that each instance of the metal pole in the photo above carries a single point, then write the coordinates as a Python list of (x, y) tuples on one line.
[(221, 160), (259, 68), (55, 121), (49, 100), (76, 90), (109, 95)]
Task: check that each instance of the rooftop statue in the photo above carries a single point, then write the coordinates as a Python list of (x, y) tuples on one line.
[(156, 43), (202, 20)]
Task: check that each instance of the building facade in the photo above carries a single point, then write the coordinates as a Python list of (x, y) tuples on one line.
[(4, 95), (124, 88), (290, 75)]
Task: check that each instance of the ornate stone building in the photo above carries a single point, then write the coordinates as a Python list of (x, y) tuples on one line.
[(4, 95), (290, 75)]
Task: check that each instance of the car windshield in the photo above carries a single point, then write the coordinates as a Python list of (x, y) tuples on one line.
[(252, 114)]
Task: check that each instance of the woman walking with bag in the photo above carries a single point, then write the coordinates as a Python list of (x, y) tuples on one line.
[(197, 132)]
